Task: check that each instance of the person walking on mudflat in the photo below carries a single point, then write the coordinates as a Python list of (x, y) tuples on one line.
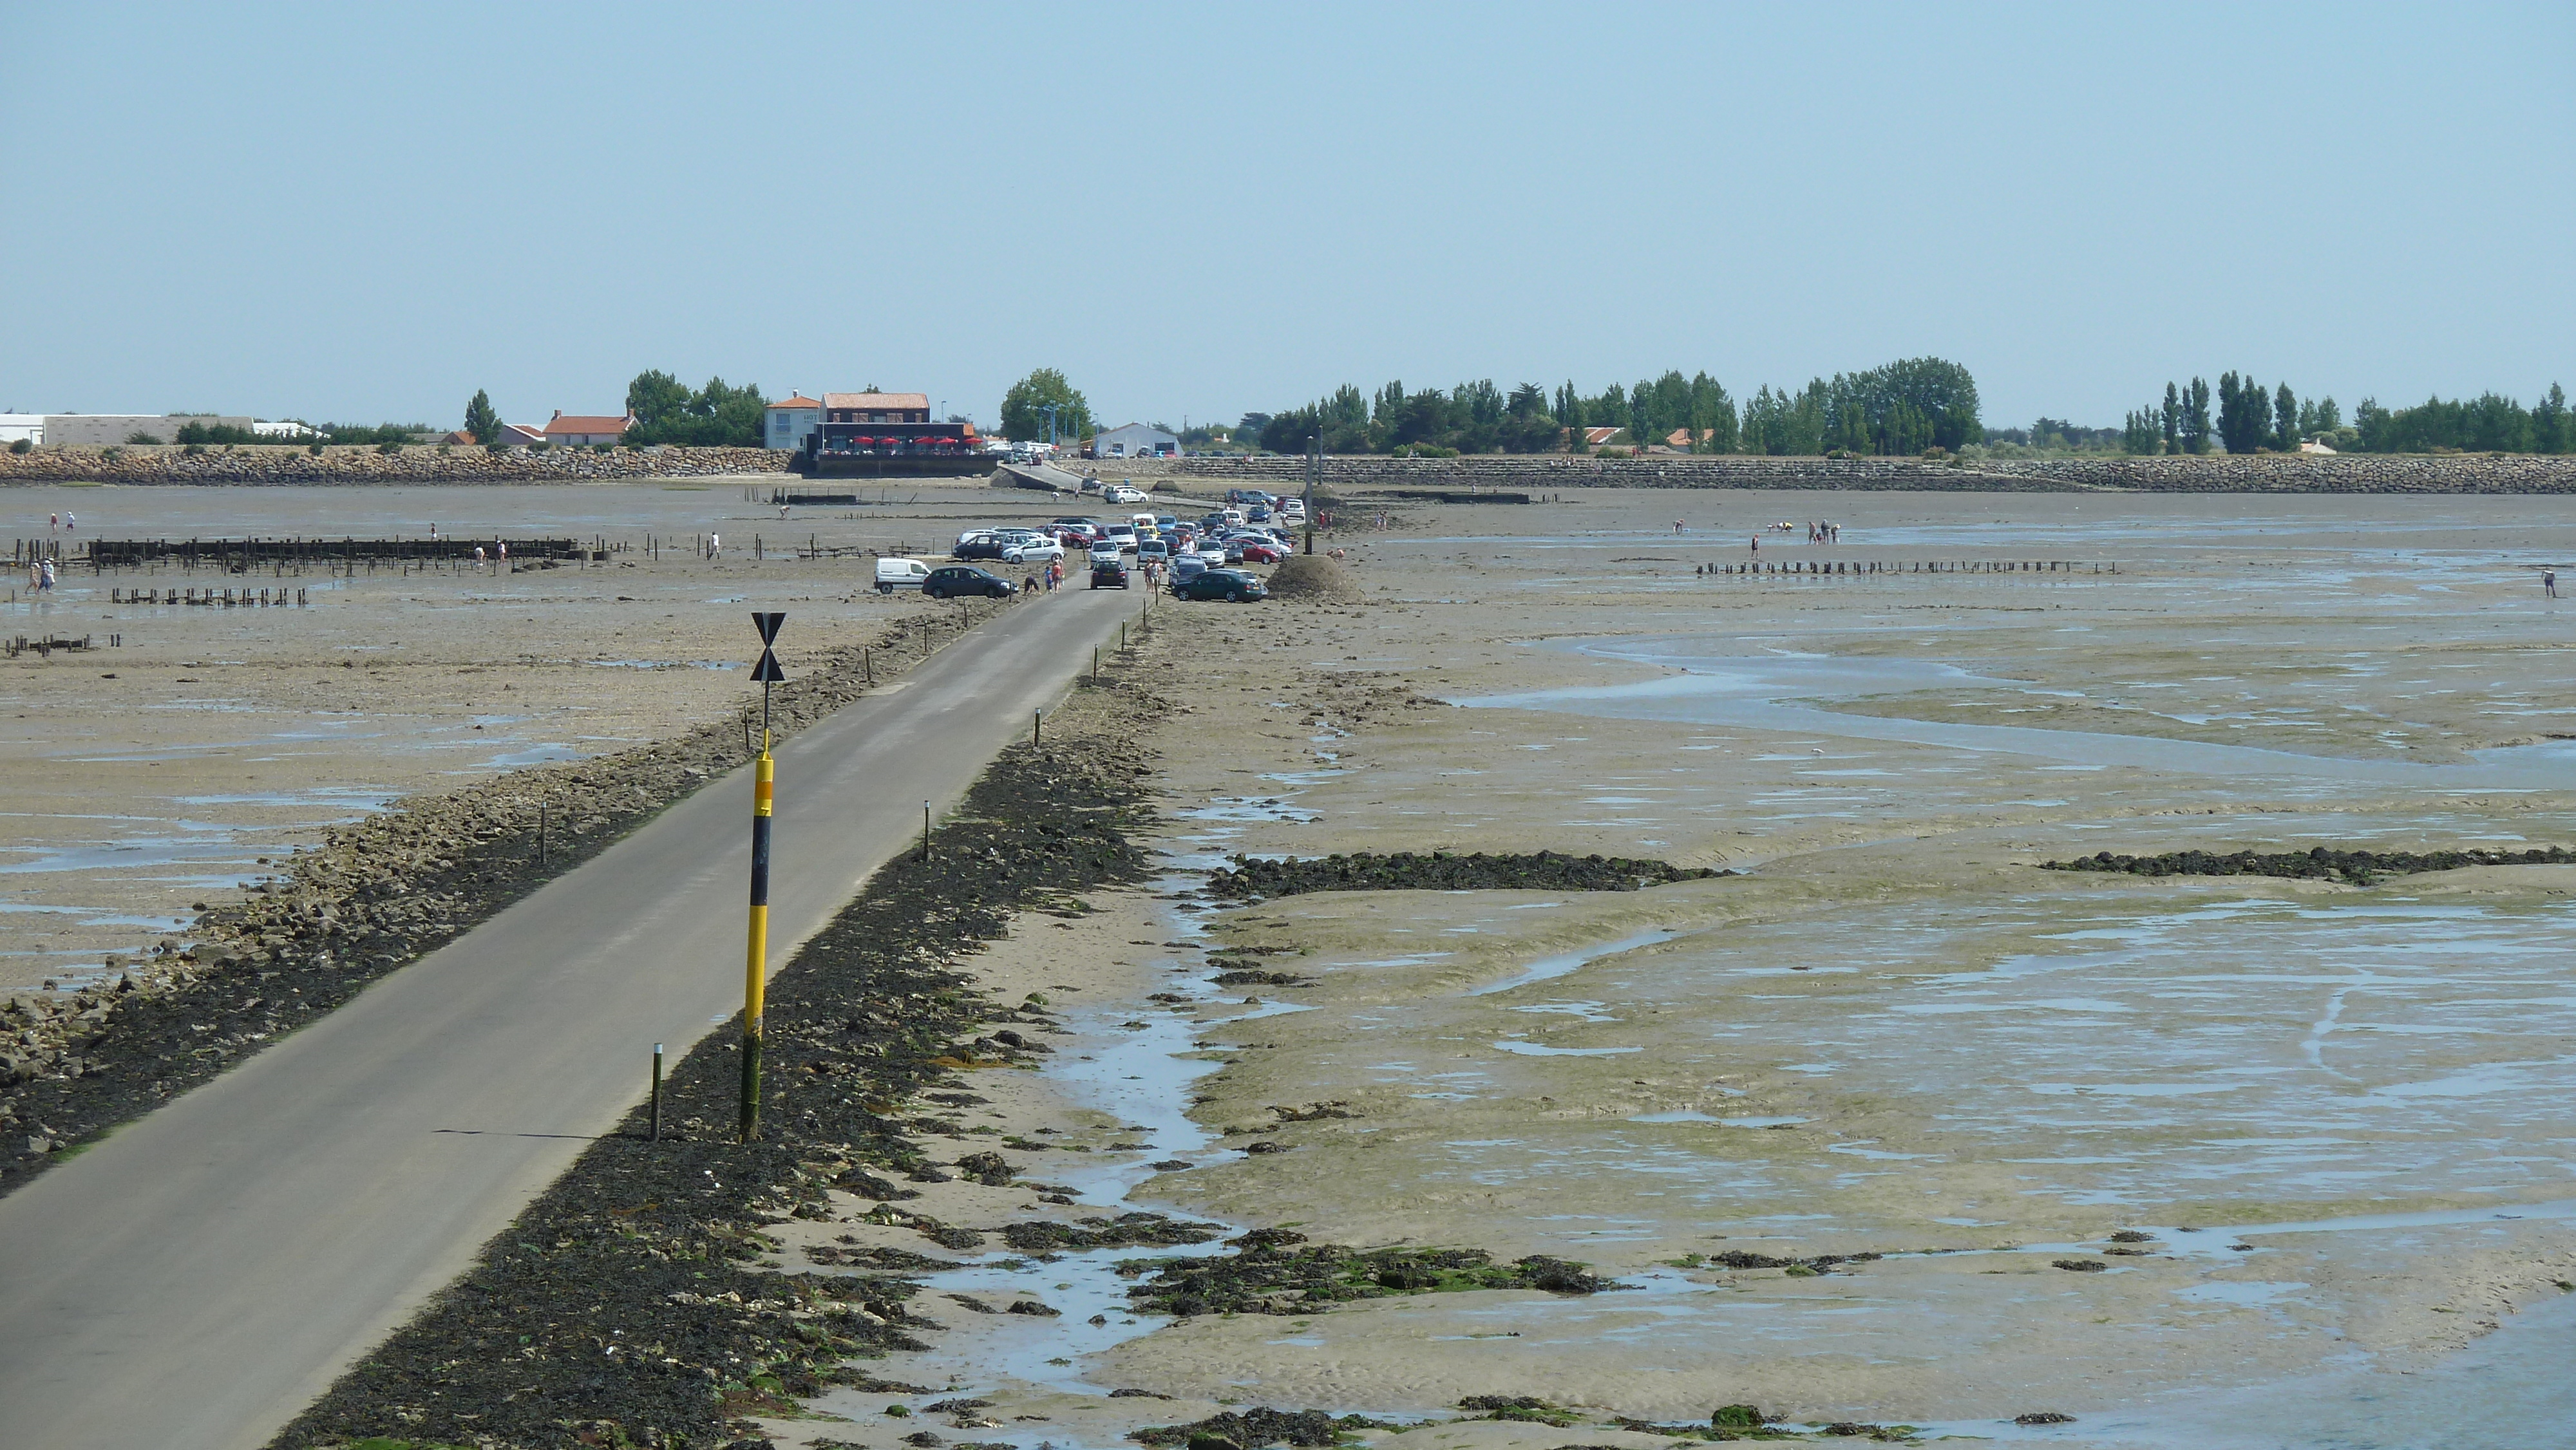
[(2548, 583)]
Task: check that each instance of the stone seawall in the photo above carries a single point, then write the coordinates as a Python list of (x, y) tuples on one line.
[(421, 463), (2259, 473)]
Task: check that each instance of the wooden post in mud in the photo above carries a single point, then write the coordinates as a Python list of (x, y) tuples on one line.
[(657, 1092), (925, 830)]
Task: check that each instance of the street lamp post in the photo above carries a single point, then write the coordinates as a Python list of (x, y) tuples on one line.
[(1314, 466)]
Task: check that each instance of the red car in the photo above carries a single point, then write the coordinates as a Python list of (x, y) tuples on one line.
[(1263, 553)]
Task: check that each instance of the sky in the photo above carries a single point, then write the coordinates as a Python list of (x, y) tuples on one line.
[(365, 213)]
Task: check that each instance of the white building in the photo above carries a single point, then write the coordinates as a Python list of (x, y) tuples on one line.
[(789, 421), (17, 426), (267, 429), (1135, 441)]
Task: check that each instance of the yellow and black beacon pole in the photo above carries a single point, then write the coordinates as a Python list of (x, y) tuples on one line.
[(756, 954)]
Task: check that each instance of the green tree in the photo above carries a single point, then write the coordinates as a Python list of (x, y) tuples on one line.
[(2171, 416), (1024, 408), (2244, 413), (718, 415), (2549, 422), (2285, 419), (656, 397), (481, 419), (2195, 417)]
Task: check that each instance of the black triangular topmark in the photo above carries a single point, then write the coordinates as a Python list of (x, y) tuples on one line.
[(767, 624), (767, 671)]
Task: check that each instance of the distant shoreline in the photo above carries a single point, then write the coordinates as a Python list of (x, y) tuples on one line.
[(2213, 473), (260, 465), (263, 466)]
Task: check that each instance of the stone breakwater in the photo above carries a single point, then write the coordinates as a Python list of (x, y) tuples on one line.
[(419, 463), (2217, 473), (372, 897)]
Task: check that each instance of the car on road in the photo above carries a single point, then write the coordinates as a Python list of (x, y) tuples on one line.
[(953, 581), (1124, 493), (894, 574), (1109, 573), (1121, 537), (1232, 585), (1149, 550), (1247, 495), (1104, 553)]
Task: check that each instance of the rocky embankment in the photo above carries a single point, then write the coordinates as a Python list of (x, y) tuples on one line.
[(2216, 473), (1253, 877), (373, 896), (2318, 863), (419, 463), (626, 1305)]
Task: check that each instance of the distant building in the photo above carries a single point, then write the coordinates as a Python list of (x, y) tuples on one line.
[(285, 430), (17, 426), (1136, 440), (791, 420), (520, 435), (574, 430), (882, 435), (95, 428), (876, 407), (1595, 437)]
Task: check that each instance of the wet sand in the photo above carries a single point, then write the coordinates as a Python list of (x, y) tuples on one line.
[(2328, 1109)]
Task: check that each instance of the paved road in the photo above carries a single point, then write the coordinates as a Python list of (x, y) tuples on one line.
[(202, 1275)]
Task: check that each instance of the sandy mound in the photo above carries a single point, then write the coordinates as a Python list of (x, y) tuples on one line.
[(1314, 577)]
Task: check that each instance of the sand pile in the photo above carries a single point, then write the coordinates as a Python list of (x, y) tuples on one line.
[(1314, 577)]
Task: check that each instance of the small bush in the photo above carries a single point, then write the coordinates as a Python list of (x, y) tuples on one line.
[(22, 446), (139, 436), (194, 450), (539, 447), (313, 448), (444, 450), (390, 449), (496, 449), (603, 447)]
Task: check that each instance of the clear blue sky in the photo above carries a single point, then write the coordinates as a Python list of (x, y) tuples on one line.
[(364, 212)]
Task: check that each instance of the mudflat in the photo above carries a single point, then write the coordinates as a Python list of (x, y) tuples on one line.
[(1889, 1125), (1892, 1125)]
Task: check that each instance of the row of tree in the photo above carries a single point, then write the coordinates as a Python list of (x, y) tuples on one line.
[(2249, 419), (1906, 407)]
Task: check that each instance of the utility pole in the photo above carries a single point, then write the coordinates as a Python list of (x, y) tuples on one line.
[(755, 981), (1314, 466)]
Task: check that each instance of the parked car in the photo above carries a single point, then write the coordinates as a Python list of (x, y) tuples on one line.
[(1109, 573), (1189, 566), (979, 544), (1039, 550), (1247, 495), (1228, 584), (1150, 550), (1257, 514), (950, 581), (1254, 551), (1124, 493), (1122, 536), (894, 574)]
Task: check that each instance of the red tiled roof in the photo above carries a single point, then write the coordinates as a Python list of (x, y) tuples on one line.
[(567, 423), (799, 401), (878, 402)]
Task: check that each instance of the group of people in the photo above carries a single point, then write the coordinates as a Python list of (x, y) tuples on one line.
[(40, 576), (62, 523), (1050, 579)]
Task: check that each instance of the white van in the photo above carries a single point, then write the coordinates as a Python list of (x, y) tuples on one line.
[(894, 574)]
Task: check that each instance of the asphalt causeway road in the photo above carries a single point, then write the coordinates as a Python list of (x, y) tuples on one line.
[(204, 1273)]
